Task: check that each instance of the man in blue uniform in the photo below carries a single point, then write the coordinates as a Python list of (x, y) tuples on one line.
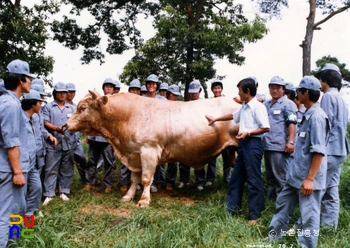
[(279, 142), (98, 146), (337, 111), (59, 165), (194, 90), (31, 104), (217, 87), (306, 177), (172, 95), (79, 156), (14, 157), (152, 85)]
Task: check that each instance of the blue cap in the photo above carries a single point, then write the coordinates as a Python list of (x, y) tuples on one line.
[(328, 66), (143, 88), (33, 95), (116, 83), (277, 80), (163, 86), (38, 81), (70, 87), (60, 87), (194, 87), (108, 81), (254, 78), (217, 82), (152, 78), (174, 89), (289, 86), (135, 83), (39, 88), (310, 83), (20, 67)]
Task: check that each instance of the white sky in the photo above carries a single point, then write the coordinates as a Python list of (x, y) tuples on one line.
[(278, 53)]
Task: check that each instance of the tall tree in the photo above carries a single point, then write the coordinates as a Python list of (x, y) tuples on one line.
[(115, 18), (23, 35), (329, 10), (334, 60), (190, 36)]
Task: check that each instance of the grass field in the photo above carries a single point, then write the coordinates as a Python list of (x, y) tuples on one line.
[(183, 218)]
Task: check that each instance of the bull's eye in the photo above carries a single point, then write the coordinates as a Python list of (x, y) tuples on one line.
[(82, 108)]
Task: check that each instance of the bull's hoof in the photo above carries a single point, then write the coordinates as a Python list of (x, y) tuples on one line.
[(143, 203), (126, 198)]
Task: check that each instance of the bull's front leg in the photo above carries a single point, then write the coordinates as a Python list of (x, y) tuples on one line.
[(135, 180), (149, 164), (147, 180)]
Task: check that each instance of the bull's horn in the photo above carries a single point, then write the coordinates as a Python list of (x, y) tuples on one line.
[(93, 94)]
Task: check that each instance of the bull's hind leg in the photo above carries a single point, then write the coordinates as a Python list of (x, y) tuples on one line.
[(135, 179)]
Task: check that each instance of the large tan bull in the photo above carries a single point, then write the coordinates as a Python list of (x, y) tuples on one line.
[(145, 132)]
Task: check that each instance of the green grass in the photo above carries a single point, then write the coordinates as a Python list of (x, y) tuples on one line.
[(183, 218)]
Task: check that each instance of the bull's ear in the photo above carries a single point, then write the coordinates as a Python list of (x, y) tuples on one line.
[(102, 101), (93, 94)]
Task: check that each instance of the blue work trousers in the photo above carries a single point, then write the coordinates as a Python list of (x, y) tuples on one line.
[(247, 169)]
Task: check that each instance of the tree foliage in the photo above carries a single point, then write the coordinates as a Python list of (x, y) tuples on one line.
[(189, 37), (116, 18), (23, 35), (329, 9), (334, 60)]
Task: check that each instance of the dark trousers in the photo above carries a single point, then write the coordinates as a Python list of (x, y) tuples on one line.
[(171, 173), (95, 150), (79, 158), (184, 173), (247, 169), (125, 175), (211, 172), (158, 178)]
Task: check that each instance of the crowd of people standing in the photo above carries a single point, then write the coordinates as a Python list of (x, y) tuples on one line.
[(301, 137)]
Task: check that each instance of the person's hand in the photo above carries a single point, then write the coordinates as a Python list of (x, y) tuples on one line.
[(210, 119), (242, 136), (289, 148), (53, 140), (259, 99), (59, 129), (19, 179), (307, 187)]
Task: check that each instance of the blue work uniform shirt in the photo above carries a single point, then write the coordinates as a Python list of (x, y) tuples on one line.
[(40, 132), (55, 115), (337, 111), (157, 97), (312, 137), (281, 114), (300, 113), (12, 131), (31, 143)]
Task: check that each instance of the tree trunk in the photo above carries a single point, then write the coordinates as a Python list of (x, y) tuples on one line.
[(189, 77), (307, 42)]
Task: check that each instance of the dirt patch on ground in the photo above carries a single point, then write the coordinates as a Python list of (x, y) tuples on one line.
[(175, 196), (186, 200), (100, 210)]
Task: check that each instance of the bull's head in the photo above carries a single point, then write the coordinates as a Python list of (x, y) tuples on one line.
[(87, 116)]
